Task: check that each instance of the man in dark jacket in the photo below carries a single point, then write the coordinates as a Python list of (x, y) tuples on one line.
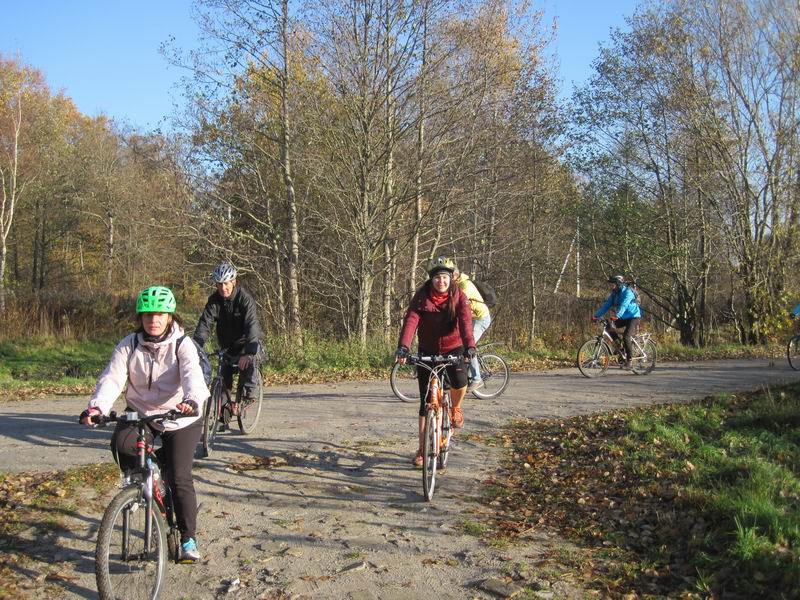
[(238, 330)]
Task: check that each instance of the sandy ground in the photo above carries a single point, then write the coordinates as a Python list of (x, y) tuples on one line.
[(339, 512)]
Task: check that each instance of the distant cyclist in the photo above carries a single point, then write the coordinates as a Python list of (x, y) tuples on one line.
[(625, 313), (439, 314), (481, 319), (238, 330)]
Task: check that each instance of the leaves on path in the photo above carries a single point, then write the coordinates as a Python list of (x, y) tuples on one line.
[(34, 513), (624, 496)]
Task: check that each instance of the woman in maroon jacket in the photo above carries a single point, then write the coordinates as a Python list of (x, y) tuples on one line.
[(441, 316)]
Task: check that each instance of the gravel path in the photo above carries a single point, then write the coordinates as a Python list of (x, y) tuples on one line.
[(334, 509)]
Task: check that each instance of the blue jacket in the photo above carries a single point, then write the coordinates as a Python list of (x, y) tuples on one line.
[(624, 302), (796, 311)]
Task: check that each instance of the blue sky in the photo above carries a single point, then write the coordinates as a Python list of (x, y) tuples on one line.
[(104, 54)]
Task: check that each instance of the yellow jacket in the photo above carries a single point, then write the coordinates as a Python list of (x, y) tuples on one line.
[(479, 308)]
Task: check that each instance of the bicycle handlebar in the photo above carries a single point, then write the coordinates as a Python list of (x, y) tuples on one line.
[(451, 359), (133, 417)]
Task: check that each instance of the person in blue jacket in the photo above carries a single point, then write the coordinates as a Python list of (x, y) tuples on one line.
[(626, 312), (796, 312)]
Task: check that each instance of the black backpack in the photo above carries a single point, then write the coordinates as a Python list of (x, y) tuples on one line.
[(487, 293), (205, 364)]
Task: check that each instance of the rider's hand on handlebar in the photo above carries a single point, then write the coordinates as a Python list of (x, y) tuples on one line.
[(86, 416), (188, 407), (470, 354), (244, 361), (401, 355), (594, 319)]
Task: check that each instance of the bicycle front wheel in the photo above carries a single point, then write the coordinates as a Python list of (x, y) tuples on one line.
[(644, 361), (793, 352), (403, 380), (122, 566), (249, 412), (446, 435), (211, 418), (593, 358), (494, 375), (430, 455)]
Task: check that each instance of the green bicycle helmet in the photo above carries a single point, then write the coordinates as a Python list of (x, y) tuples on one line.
[(156, 299), (440, 264)]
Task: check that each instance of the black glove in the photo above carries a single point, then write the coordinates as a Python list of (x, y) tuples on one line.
[(193, 405), (470, 353), (402, 352)]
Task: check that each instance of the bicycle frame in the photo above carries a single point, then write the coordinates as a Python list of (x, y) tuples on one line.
[(639, 340)]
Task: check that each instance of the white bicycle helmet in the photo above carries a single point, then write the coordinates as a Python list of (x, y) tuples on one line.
[(224, 272)]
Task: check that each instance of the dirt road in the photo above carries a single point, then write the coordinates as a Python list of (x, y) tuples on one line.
[(338, 513)]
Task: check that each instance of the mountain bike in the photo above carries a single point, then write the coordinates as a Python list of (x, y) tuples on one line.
[(139, 532), (793, 352), (595, 355), (494, 374), (220, 409), (438, 427)]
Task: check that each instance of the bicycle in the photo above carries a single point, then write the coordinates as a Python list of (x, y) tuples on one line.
[(438, 426), (594, 356), (138, 531), (793, 352), (220, 409), (494, 374)]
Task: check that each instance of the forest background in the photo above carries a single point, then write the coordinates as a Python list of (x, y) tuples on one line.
[(330, 149)]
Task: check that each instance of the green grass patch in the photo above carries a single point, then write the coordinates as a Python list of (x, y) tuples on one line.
[(701, 497), (50, 365)]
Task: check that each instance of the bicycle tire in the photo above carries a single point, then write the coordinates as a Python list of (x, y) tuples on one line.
[(793, 352), (593, 360), (248, 415), (114, 571), (211, 419), (641, 368), (430, 455), (494, 375), (403, 381), (447, 434)]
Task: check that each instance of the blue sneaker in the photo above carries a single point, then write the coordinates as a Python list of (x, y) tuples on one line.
[(189, 552)]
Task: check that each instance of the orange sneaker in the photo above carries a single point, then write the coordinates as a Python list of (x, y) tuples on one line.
[(457, 417), (418, 459)]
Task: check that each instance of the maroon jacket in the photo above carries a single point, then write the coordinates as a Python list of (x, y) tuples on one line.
[(430, 325)]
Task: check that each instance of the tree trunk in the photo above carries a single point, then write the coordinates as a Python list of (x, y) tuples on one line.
[(295, 327)]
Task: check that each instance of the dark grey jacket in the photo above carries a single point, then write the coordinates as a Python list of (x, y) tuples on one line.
[(238, 329)]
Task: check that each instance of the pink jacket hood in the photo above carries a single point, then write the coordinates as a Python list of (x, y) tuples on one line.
[(158, 378)]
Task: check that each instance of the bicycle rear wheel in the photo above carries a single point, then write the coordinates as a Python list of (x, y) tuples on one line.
[(403, 380), (122, 567), (494, 375), (793, 352), (430, 455), (250, 412), (211, 418), (593, 358), (644, 363)]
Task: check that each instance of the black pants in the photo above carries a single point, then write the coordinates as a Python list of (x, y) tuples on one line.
[(631, 326), (248, 376), (456, 373), (178, 449)]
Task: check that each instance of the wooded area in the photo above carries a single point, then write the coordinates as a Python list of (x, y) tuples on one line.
[(330, 150)]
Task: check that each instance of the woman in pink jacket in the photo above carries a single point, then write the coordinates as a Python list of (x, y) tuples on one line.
[(162, 372)]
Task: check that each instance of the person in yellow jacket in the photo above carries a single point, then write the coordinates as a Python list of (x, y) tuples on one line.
[(481, 319)]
